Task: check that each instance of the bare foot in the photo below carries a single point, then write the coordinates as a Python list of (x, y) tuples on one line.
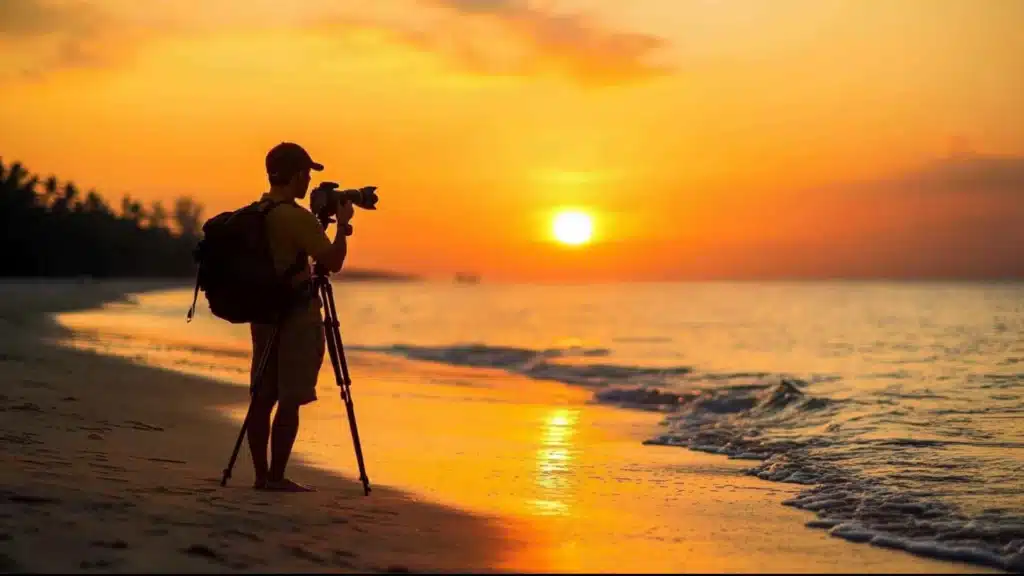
[(286, 485)]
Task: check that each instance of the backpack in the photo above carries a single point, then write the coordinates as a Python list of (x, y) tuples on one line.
[(236, 268)]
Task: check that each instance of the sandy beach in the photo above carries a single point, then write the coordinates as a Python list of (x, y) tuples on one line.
[(100, 473), (114, 466)]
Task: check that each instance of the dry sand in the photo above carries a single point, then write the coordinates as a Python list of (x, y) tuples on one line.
[(101, 472)]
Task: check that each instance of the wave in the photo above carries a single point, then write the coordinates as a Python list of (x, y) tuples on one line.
[(796, 437), (752, 424), (540, 364)]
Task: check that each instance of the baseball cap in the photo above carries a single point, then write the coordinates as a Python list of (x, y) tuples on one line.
[(288, 158)]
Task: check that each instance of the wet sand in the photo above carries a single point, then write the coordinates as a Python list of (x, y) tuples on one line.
[(113, 465)]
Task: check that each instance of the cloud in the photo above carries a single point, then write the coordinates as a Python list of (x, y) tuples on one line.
[(484, 37), (969, 173), (574, 45), (45, 35), (40, 36), (30, 18), (959, 216)]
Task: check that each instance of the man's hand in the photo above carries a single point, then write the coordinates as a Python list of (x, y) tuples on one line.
[(344, 212), (334, 257)]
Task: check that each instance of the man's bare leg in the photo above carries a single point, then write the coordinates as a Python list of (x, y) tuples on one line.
[(285, 430), (259, 435)]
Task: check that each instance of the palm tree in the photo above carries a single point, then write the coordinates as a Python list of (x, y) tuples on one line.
[(50, 188), (13, 177), (17, 186), (188, 215), (94, 204), (54, 229), (66, 201), (157, 215), (131, 210)]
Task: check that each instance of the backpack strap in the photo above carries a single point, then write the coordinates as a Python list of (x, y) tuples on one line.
[(195, 294), (269, 204), (195, 297)]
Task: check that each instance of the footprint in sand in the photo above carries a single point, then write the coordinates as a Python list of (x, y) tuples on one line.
[(54, 463), (135, 424), (31, 499), (88, 564), (345, 553), (300, 552), (110, 467), (113, 544), (242, 534), (166, 460), (203, 551), (23, 438)]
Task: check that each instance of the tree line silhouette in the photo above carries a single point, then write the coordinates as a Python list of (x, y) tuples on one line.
[(51, 228)]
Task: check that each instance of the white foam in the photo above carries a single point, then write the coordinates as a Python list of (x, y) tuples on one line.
[(849, 505)]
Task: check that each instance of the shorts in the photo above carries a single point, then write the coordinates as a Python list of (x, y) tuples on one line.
[(291, 373)]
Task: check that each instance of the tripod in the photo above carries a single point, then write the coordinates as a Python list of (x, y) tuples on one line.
[(322, 284)]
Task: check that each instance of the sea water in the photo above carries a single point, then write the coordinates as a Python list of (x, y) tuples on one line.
[(897, 407)]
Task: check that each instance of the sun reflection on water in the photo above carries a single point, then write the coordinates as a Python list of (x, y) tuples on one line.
[(554, 461)]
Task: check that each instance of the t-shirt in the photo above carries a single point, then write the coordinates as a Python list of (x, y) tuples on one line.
[(293, 230)]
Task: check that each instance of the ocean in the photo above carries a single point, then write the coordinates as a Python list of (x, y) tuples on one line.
[(896, 408)]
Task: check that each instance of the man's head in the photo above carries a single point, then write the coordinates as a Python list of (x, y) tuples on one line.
[(288, 167)]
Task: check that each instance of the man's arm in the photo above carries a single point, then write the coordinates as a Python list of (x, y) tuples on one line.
[(334, 258), (313, 240)]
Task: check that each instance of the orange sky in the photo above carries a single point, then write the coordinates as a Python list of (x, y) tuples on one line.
[(709, 138)]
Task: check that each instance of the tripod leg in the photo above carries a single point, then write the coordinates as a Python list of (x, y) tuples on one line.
[(238, 446), (261, 368), (341, 376)]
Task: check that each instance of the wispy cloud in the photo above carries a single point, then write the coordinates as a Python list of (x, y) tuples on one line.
[(30, 18), (970, 173), (540, 40), (40, 36), (484, 37), (48, 35)]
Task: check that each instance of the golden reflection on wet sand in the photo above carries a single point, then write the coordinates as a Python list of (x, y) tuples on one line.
[(554, 460)]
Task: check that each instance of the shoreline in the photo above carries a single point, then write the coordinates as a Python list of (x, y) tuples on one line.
[(161, 507), (120, 477)]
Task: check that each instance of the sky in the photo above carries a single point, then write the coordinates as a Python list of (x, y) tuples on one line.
[(707, 139)]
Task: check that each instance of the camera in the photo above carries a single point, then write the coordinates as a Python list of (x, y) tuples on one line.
[(325, 197)]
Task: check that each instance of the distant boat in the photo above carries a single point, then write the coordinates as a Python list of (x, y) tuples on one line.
[(464, 278)]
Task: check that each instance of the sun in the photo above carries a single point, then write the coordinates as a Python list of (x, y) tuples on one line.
[(573, 227)]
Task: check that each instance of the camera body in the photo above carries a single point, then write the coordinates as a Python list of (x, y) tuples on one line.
[(326, 196)]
